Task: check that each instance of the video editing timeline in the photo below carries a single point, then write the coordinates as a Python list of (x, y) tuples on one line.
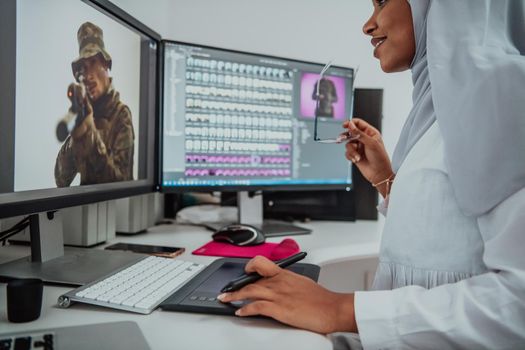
[(235, 117)]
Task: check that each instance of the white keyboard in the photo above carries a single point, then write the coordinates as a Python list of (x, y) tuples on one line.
[(140, 287)]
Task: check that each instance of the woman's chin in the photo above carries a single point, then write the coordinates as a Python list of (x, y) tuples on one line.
[(393, 67)]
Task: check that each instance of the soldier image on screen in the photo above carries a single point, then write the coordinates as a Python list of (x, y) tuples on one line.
[(327, 97), (101, 144)]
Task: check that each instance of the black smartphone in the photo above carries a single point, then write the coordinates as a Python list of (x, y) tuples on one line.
[(167, 252)]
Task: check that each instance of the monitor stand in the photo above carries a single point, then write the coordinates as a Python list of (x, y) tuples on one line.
[(52, 263), (250, 207)]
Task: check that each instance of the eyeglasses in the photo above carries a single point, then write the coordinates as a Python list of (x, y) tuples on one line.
[(345, 136)]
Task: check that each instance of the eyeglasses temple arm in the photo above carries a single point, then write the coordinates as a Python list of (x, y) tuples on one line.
[(325, 68)]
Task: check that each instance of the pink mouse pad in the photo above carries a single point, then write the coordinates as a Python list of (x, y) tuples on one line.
[(273, 251)]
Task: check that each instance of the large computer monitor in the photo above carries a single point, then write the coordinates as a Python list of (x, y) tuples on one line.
[(244, 122), (78, 110)]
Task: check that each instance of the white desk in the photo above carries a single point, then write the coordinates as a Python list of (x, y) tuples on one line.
[(330, 242)]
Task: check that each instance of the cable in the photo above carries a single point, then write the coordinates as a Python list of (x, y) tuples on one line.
[(5, 236), (18, 224), (18, 227)]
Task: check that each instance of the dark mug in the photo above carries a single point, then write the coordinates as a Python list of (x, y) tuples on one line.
[(24, 299)]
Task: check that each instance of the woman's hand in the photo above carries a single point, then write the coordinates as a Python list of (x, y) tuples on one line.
[(368, 152), (294, 299)]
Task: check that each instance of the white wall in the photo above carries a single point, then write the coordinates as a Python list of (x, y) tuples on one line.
[(303, 29)]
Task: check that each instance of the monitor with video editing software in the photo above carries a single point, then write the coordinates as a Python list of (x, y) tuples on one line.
[(237, 121), (78, 110)]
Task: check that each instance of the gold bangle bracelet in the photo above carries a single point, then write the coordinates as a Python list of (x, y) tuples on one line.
[(389, 179)]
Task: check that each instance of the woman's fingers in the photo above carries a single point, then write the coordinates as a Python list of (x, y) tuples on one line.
[(262, 266), (356, 123), (358, 126), (260, 307), (365, 136), (253, 291), (352, 152), (364, 126)]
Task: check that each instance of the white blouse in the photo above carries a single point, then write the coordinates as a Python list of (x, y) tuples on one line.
[(457, 281)]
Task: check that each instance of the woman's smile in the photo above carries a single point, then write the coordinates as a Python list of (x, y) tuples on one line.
[(376, 42)]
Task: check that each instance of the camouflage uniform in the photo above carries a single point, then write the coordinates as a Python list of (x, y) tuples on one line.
[(104, 153), (104, 150)]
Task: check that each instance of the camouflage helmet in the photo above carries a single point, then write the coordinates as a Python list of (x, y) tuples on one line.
[(90, 43)]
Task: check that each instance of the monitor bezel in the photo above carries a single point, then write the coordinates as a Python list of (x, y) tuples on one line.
[(41, 200), (250, 188)]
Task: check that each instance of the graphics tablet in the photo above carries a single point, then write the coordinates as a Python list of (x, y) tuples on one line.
[(200, 294)]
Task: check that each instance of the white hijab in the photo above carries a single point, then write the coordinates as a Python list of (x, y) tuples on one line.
[(469, 75)]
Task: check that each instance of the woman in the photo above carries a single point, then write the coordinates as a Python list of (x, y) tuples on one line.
[(452, 266)]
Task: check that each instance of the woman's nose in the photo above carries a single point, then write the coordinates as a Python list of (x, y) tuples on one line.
[(370, 25)]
